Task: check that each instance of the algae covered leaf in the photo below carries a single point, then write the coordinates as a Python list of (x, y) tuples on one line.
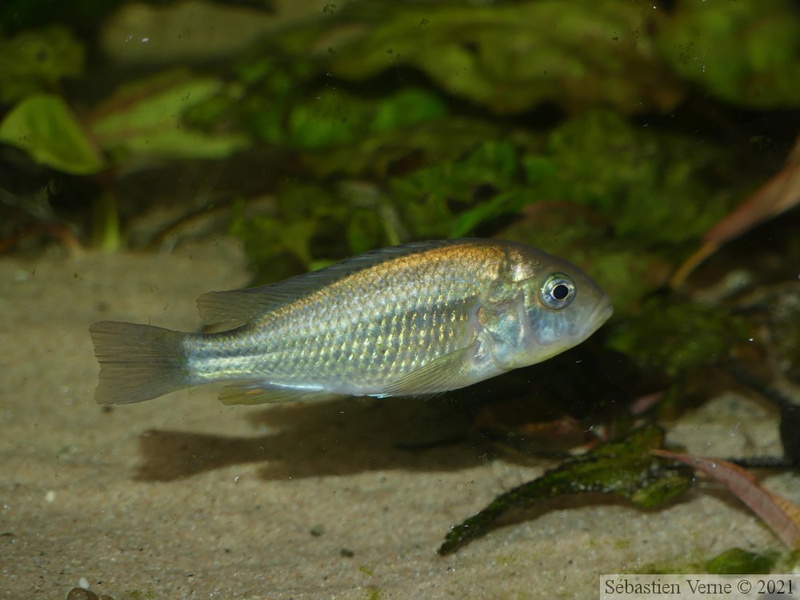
[(624, 467), (35, 62), (146, 119), (745, 53), (511, 57), (45, 127)]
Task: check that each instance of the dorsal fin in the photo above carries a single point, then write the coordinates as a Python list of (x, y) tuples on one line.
[(237, 307)]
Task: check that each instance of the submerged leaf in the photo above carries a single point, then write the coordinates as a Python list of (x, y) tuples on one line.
[(46, 128), (581, 53), (657, 189), (333, 117), (145, 119), (737, 561), (776, 196), (780, 514), (624, 467), (675, 337), (742, 52), (401, 149), (36, 61)]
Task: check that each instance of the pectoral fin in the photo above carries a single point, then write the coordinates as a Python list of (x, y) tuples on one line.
[(448, 372)]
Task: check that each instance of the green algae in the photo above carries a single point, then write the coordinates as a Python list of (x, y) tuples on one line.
[(742, 52), (623, 467), (734, 561), (675, 337), (738, 561), (37, 62), (588, 53)]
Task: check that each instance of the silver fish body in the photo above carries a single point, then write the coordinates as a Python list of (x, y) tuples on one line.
[(416, 319)]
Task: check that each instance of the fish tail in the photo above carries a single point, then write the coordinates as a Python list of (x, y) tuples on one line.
[(137, 362)]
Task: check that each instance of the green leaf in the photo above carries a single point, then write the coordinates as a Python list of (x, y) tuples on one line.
[(428, 195), (502, 204), (146, 119), (36, 61), (742, 52), (624, 467), (737, 561), (46, 128), (428, 143), (406, 108), (333, 117), (677, 337), (657, 189), (512, 56)]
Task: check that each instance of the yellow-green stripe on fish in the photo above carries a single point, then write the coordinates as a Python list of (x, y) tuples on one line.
[(416, 319)]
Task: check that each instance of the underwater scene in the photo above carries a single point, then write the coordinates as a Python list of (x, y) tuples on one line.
[(372, 299)]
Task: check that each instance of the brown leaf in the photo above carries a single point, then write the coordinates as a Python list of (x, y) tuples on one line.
[(776, 196), (780, 514)]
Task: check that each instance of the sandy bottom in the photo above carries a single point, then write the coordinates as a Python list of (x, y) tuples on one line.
[(183, 497)]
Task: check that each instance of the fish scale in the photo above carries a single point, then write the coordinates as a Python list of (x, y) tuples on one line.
[(402, 318), (408, 341), (415, 319)]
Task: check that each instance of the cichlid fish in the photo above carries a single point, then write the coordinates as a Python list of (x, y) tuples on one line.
[(416, 319)]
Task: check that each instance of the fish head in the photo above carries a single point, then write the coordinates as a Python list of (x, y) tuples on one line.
[(546, 307)]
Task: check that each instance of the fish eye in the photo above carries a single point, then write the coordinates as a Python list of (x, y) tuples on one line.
[(558, 291)]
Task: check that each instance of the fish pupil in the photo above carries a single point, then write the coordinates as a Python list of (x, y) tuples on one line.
[(560, 291)]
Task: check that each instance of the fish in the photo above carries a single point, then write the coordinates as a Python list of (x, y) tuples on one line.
[(411, 320)]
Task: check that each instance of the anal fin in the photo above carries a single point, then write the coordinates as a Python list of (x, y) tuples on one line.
[(258, 392)]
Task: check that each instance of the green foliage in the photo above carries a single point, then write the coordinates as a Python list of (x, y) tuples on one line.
[(313, 226), (426, 196), (734, 561), (283, 105), (280, 244), (23, 14), (502, 204), (653, 187), (579, 53), (334, 117), (36, 61), (624, 468), (45, 127), (145, 118), (141, 119), (417, 146), (675, 337), (654, 191), (747, 53), (737, 561)]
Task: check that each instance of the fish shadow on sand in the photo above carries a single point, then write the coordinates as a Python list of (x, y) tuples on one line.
[(337, 437)]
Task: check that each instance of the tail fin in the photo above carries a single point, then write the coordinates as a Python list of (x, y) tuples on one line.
[(137, 362)]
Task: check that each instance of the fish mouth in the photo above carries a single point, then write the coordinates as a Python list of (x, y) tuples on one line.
[(600, 315)]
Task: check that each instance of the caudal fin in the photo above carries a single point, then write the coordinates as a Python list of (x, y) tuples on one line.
[(137, 362)]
